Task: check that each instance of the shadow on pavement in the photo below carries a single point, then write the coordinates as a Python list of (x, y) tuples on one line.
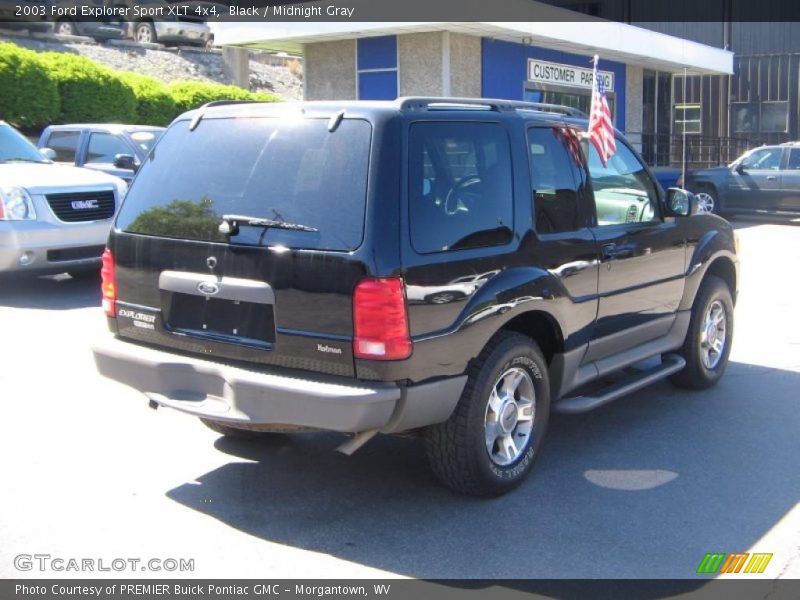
[(745, 221), (58, 292), (642, 488)]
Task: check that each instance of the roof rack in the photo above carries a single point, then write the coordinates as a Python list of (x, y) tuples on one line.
[(433, 103)]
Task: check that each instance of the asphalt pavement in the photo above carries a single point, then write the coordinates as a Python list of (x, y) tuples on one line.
[(643, 487)]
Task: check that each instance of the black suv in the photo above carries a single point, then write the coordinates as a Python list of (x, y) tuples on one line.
[(453, 267)]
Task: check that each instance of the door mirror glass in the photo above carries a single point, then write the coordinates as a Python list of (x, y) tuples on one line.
[(681, 203), (47, 153), (125, 161)]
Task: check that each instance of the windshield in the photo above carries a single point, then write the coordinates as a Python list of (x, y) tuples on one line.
[(15, 147), (291, 170), (145, 139)]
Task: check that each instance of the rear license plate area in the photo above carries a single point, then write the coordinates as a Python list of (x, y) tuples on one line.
[(226, 320)]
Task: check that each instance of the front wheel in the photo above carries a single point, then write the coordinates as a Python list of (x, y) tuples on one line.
[(709, 202), (145, 33), (708, 341), (489, 444)]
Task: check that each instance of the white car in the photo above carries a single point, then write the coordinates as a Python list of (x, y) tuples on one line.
[(53, 218)]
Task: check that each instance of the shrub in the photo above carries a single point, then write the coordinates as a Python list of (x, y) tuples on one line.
[(191, 94), (88, 91), (154, 104), (28, 96)]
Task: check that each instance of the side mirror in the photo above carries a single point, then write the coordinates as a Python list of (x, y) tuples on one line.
[(739, 168), (125, 161), (682, 203), (47, 153)]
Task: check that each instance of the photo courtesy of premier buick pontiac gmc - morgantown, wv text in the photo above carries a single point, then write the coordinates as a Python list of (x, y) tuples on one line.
[(453, 268)]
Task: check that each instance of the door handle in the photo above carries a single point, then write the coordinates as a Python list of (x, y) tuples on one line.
[(771, 178), (613, 251)]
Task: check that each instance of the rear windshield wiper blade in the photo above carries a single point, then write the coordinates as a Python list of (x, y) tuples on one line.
[(231, 223)]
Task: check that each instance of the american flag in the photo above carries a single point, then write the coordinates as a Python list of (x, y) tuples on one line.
[(601, 130)]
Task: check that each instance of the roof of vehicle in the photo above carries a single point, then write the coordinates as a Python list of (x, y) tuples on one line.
[(525, 110), (110, 127)]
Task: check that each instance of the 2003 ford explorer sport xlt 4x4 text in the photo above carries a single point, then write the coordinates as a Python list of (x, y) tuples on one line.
[(452, 267)]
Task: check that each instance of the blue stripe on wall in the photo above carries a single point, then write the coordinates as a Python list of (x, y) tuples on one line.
[(377, 52), (380, 85), (504, 71)]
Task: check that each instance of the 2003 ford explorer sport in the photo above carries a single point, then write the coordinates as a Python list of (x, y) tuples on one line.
[(452, 267)]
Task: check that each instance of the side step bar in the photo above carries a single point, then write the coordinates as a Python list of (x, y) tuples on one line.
[(670, 363)]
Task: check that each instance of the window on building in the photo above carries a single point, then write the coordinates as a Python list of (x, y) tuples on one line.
[(555, 179), (103, 147), (744, 117), (687, 118), (376, 68), (65, 145), (460, 186), (774, 117), (623, 191)]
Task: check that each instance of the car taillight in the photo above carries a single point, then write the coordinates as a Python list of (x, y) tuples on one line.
[(109, 284), (380, 320)]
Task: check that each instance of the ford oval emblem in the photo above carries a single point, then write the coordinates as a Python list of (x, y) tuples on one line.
[(209, 288)]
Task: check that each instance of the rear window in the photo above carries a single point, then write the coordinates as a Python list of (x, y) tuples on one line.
[(284, 169)]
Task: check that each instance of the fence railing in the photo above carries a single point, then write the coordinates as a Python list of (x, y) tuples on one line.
[(667, 150)]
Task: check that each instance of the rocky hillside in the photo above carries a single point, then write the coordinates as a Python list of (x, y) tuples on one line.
[(171, 64)]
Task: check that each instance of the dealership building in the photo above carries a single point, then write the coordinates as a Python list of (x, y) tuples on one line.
[(536, 61)]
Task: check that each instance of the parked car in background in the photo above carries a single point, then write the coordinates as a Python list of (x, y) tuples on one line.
[(188, 29), (762, 180), (114, 149), (53, 218)]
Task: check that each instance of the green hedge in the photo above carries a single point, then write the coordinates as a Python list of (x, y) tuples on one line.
[(154, 104), (191, 94), (28, 95), (59, 87), (89, 92)]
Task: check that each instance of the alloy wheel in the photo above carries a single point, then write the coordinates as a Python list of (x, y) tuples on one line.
[(510, 415), (713, 335)]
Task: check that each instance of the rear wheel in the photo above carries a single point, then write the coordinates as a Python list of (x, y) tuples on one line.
[(492, 439), (65, 28), (145, 33), (708, 341)]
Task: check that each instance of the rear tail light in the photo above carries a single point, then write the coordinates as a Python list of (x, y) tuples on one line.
[(109, 284), (380, 320)]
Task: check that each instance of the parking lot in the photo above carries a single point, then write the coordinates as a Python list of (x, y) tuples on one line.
[(641, 488)]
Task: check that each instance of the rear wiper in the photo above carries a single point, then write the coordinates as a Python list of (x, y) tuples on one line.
[(231, 223)]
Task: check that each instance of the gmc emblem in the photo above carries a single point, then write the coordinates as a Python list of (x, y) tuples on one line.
[(84, 204)]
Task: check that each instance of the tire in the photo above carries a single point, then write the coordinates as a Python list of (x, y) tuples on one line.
[(65, 28), (458, 449), (145, 33), (231, 432), (708, 198), (704, 366)]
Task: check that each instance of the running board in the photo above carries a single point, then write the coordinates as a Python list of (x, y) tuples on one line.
[(670, 363)]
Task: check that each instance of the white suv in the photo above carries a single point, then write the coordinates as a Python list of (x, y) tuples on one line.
[(53, 218)]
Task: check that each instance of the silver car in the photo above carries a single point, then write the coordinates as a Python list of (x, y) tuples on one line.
[(53, 218)]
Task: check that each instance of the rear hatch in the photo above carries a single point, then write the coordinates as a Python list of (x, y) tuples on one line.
[(274, 284)]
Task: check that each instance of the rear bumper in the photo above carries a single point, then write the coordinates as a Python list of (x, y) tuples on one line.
[(226, 393)]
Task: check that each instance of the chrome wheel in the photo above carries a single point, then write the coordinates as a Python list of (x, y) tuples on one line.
[(65, 28), (144, 34), (713, 335), (510, 413), (705, 202)]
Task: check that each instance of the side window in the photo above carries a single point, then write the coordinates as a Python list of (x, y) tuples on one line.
[(623, 191), (65, 144), (763, 158), (555, 156), (794, 159), (103, 147), (460, 186)]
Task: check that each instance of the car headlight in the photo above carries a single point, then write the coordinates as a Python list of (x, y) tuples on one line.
[(16, 205)]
